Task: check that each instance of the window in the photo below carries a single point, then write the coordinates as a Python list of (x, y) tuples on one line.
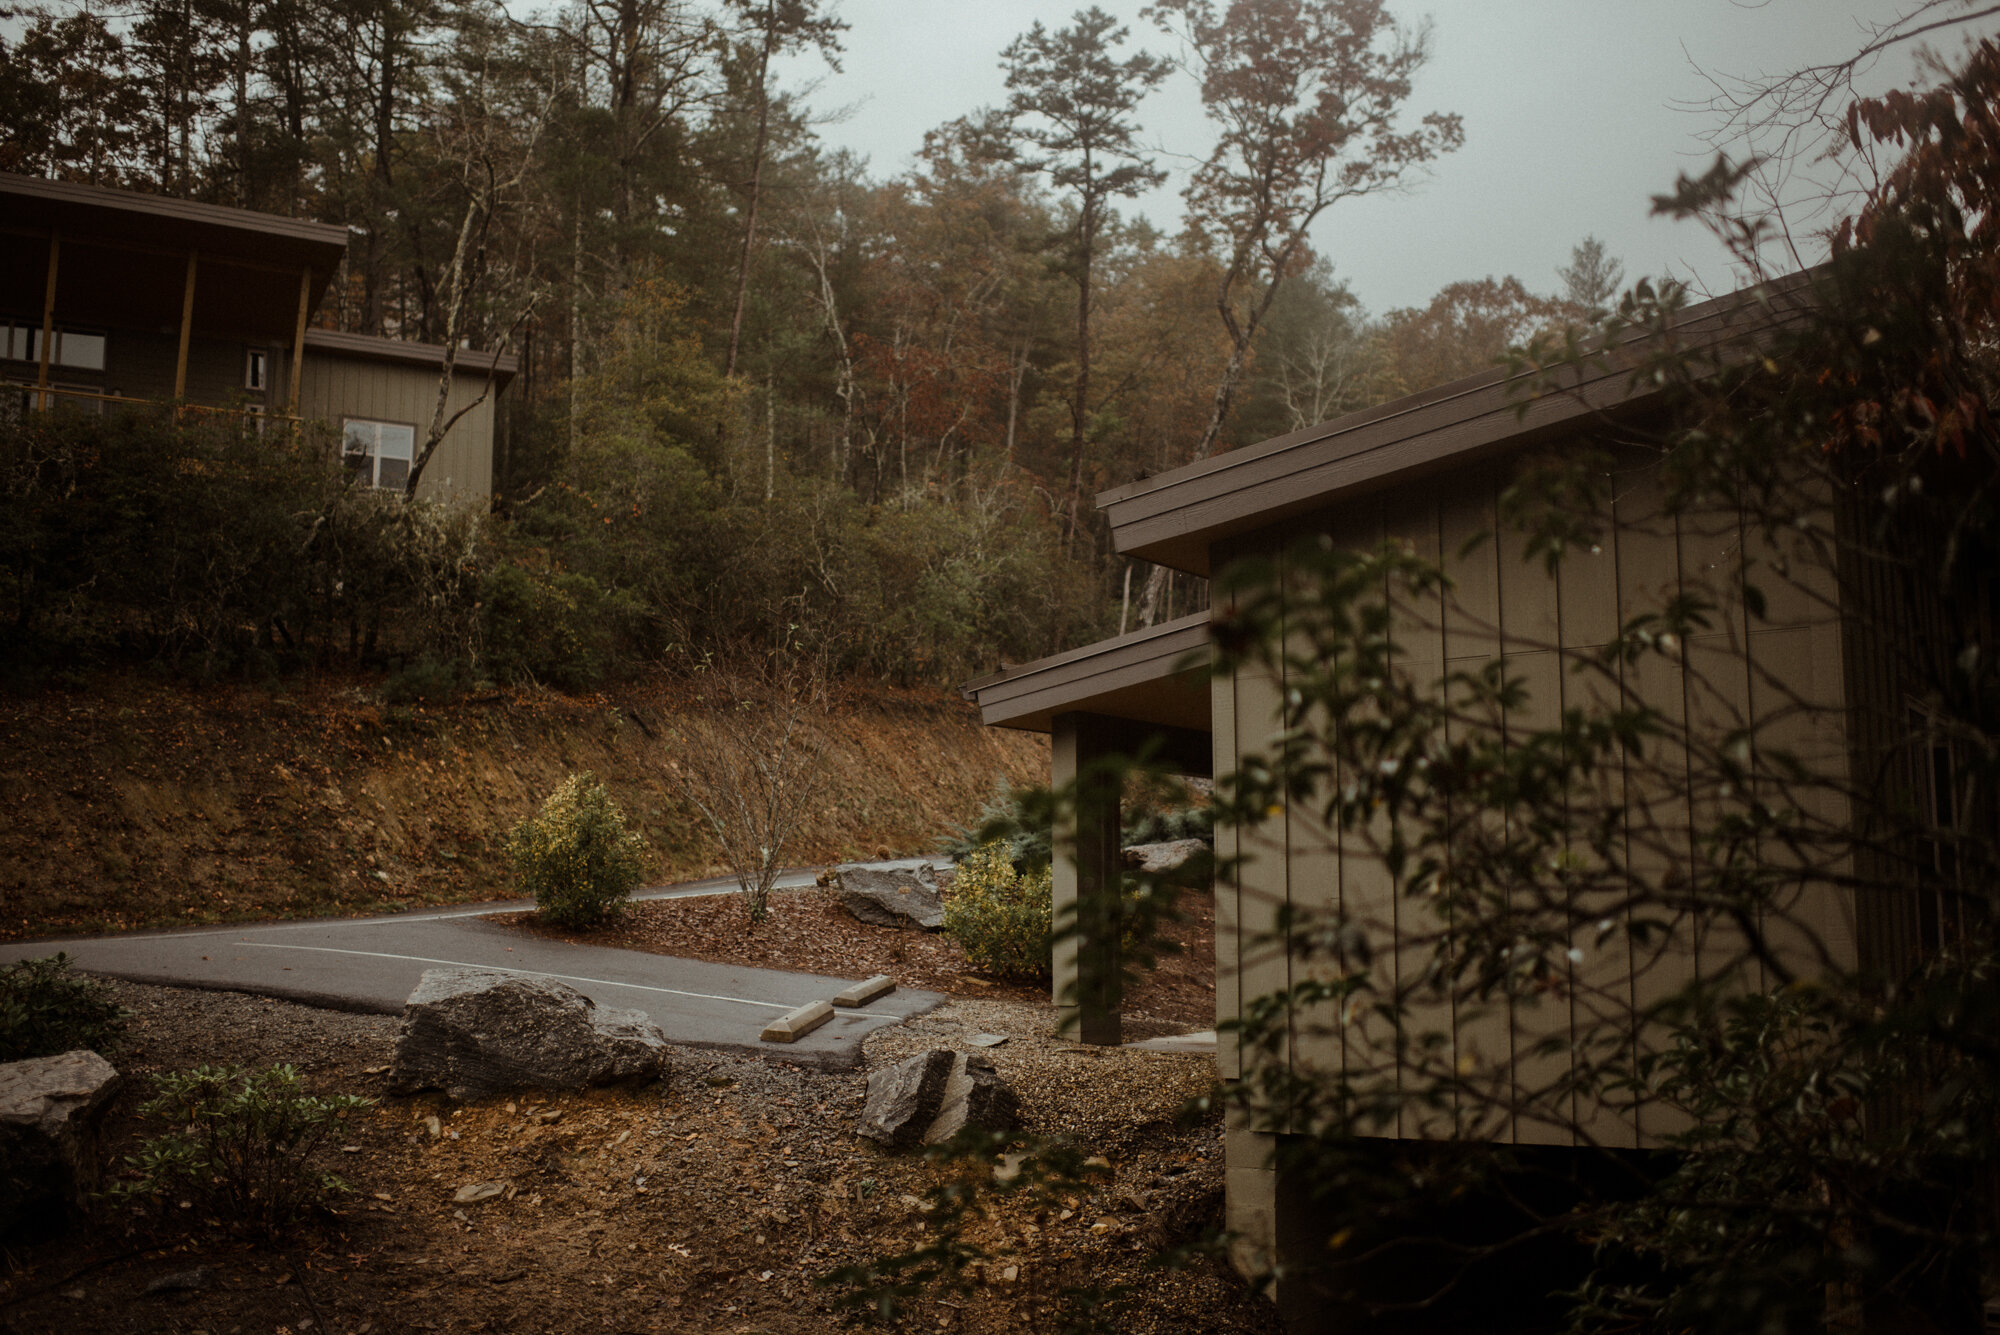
[(379, 452), (73, 347), (1945, 912), (254, 369)]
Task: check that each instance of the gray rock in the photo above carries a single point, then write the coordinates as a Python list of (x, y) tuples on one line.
[(891, 898), (476, 1032), (1161, 858), (51, 1109), (974, 1095), (183, 1281), (903, 1100)]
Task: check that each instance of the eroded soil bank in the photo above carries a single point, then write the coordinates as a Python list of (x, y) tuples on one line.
[(134, 804)]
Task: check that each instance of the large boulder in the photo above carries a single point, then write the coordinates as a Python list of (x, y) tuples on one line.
[(50, 1111), (904, 1099), (476, 1032), (932, 1096), (891, 898), (974, 1095), (1168, 855)]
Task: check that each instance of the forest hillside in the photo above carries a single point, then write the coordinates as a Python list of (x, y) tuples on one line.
[(771, 401)]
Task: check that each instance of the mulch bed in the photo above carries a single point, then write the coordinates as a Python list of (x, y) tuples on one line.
[(712, 1203), (808, 931)]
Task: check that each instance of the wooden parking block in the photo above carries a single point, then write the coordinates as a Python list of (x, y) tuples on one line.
[(796, 1024), (863, 993)]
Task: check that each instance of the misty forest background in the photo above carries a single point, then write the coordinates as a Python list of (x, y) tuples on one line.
[(768, 403)]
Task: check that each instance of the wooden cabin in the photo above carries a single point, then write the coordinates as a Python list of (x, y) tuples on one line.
[(1428, 470), (116, 301)]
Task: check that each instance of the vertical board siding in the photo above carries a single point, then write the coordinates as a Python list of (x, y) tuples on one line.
[(1418, 629), (1228, 887), (1730, 679), (1466, 519), (1263, 881), (333, 387)]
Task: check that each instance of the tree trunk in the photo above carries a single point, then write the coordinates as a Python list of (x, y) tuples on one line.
[(756, 188), (243, 197), (575, 315), (454, 300), (1151, 599), (770, 438), (1079, 406)]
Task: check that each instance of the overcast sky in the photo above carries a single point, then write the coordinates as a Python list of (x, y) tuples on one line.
[(1570, 107)]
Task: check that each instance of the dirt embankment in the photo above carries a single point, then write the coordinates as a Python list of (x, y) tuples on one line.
[(135, 804)]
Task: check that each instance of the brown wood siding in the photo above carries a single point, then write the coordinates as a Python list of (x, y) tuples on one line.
[(1741, 675), (335, 387)]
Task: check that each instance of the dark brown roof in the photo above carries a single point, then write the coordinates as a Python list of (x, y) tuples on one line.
[(1175, 518), (29, 202), (1156, 675), (410, 354)]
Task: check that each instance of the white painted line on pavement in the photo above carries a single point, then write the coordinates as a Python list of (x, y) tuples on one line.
[(566, 977), (399, 919)]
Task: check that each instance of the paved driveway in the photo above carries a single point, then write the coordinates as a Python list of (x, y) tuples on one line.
[(372, 964)]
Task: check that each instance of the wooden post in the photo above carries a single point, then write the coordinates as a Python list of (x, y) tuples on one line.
[(187, 330), (299, 344), (1088, 881), (48, 325)]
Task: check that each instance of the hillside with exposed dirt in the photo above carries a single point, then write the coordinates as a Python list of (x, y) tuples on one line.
[(133, 803)]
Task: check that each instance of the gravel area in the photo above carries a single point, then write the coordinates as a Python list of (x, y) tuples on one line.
[(712, 1201)]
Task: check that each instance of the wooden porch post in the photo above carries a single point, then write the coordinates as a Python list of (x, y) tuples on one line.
[(48, 324), (1088, 878), (187, 329), (299, 344)]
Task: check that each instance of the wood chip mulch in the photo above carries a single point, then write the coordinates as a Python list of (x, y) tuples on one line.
[(808, 931)]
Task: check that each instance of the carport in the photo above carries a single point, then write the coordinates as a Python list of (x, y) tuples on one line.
[(1146, 692)]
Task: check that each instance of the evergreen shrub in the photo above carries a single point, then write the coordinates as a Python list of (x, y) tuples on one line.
[(576, 857), (240, 1145), (45, 1009), (1002, 917)]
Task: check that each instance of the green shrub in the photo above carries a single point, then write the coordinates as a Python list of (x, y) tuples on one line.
[(44, 1009), (1003, 918), (576, 858), (557, 629), (241, 1145)]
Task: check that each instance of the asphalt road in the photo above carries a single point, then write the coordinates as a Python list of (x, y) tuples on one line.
[(372, 964)]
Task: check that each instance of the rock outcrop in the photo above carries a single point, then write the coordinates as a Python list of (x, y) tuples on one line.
[(50, 1111), (477, 1032), (891, 898), (932, 1096)]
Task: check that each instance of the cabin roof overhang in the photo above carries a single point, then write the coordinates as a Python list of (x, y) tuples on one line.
[(1157, 676), (1177, 518), (97, 214), (123, 260)]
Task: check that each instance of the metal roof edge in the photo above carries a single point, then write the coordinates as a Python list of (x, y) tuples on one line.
[(167, 206), (1189, 500)]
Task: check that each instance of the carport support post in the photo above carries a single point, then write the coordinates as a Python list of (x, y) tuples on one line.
[(1089, 873)]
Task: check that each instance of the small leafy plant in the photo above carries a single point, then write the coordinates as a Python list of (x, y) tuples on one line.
[(1003, 918), (241, 1145), (576, 857), (45, 1009)]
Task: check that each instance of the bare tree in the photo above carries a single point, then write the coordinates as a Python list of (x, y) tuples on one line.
[(495, 146), (753, 769), (1306, 95)]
